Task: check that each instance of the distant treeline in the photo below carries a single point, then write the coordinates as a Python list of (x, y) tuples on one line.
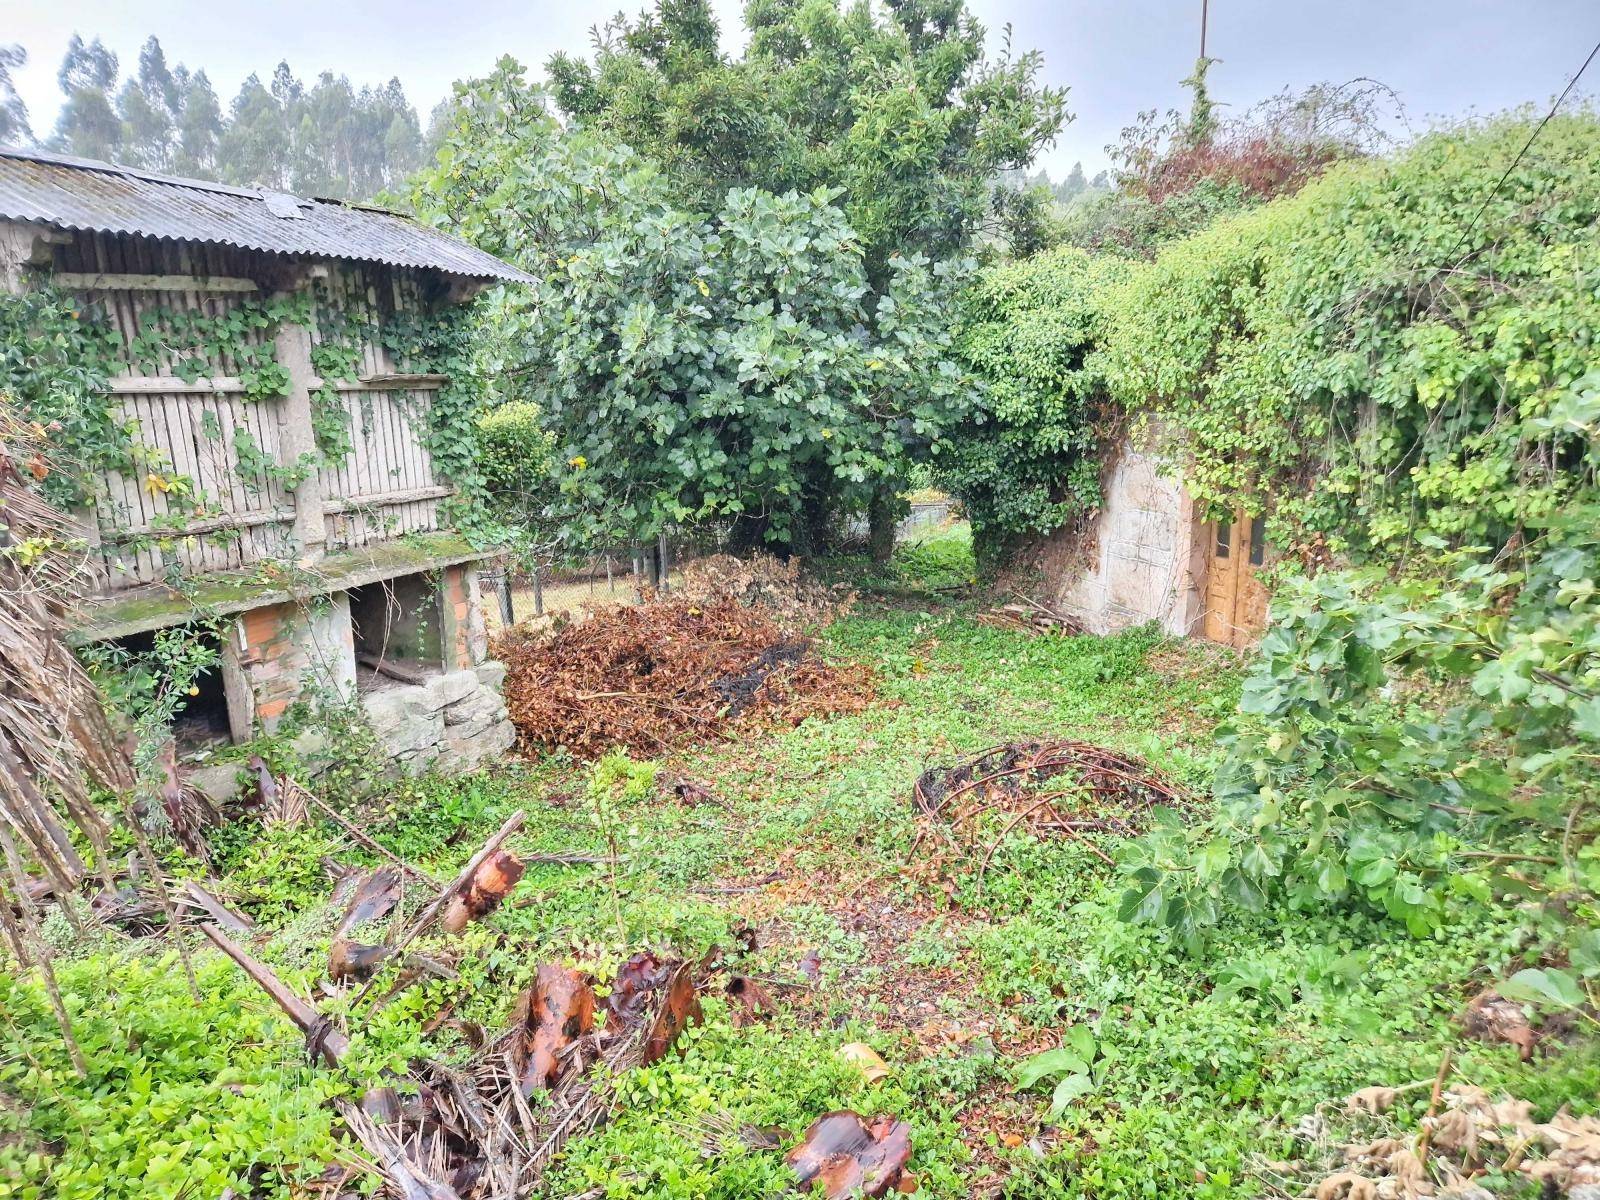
[(326, 139)]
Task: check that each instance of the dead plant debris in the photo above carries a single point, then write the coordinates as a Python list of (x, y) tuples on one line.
[(1032, 618), (792, 598), (1103, 791), (1466, 1140), (659, 675), (843, 1154), (468, 1129)]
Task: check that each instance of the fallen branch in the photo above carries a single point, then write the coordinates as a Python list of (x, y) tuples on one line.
[(321, 1037), (437, 904), (396, 1169), (219, 912), (369, 843)]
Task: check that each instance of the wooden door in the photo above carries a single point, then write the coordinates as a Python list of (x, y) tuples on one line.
[(1236, 599)]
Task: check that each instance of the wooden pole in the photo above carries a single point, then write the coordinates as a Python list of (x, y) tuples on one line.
[(663, 565), (508, 610), (332, 1044), (297, 440), (538, 592)]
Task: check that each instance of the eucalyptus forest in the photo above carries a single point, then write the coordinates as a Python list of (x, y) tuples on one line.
[(841, 509)]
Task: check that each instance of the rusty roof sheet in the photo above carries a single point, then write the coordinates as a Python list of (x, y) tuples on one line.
[(79, 193)]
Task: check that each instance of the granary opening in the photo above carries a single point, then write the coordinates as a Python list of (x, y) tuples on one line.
[(200, 719), (398, 630)]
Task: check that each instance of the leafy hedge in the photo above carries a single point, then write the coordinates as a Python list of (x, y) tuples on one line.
[(1027, 328), (1372, 354)]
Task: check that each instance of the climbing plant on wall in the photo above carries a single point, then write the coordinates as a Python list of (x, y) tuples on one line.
[(57, 357), (1031, 463), (1377, 353)]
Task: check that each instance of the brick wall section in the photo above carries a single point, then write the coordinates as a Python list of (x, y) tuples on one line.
[(291, 648), (270, 660), (455, 603)]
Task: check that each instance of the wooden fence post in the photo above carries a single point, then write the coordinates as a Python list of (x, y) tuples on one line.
[(297, 437), (508, 610)]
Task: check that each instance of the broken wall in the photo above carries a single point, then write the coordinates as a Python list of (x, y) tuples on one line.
[(1139, 560)]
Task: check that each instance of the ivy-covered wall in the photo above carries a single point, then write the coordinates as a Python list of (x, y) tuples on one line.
[(1392, 364), (168, 403)]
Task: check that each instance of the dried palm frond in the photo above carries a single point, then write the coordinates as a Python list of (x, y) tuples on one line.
[(55, 737)]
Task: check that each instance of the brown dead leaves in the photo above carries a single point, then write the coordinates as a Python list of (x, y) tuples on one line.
[(764, 581), (844, 1155), (1468, 1137), (559, 1009), (490, 883), (659, 675)]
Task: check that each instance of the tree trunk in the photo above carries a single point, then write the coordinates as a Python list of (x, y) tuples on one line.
[(747, 535), (881, 522)]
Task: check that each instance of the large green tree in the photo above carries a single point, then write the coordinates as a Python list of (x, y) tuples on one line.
[(898, 105), (736, 366)]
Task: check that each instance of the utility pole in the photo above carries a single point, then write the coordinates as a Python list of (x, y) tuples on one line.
[(1205, 6)]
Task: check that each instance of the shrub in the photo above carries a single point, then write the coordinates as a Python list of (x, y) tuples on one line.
[(1032, 463)]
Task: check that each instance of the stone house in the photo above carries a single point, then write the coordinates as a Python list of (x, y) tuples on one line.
[(1150, 555), (300, 520)]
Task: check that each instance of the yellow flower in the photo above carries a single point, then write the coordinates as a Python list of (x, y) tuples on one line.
[(154, 483), (827, 433), (194, 691), (578, 462), (701, 284)]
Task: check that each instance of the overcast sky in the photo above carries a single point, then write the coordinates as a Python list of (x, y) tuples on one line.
[(1444, 57)]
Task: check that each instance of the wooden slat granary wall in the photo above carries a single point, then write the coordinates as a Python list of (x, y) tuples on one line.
[(230, 517)]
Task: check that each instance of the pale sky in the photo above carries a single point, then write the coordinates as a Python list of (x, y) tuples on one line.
[(1444, 57)]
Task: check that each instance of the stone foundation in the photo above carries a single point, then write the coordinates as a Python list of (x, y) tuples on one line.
[(453, 723)]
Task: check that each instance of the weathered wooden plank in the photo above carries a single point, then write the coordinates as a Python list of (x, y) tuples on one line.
[(98, 281), (124, 385), (408, 496), (200, 525)]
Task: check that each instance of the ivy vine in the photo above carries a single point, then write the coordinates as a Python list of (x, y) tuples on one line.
[(58, 356)]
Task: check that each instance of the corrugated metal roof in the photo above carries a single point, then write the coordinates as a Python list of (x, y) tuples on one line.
[(78, 193)]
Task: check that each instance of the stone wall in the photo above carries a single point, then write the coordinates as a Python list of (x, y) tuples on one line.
[(1139, 560), (452, 723)]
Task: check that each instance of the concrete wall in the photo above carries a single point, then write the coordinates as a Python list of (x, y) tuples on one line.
[(1140, 559)]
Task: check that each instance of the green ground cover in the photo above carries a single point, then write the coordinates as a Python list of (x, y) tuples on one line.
[(1202, 1065)]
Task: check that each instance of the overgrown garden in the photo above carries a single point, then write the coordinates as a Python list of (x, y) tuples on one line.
[(775, 292)]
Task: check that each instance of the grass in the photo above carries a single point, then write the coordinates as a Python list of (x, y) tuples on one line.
[(1204, 1063)]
